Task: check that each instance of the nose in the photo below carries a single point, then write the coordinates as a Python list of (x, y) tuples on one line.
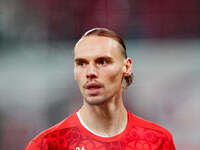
[(91, 72)]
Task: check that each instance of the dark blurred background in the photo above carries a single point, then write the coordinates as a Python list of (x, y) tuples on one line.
[(37, 89)]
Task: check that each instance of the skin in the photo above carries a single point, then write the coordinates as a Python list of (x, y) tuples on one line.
[(99, 70)]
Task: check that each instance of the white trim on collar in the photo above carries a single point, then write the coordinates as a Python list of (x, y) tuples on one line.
[(85, 126)]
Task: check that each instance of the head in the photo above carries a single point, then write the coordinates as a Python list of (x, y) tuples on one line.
[(102, 68)]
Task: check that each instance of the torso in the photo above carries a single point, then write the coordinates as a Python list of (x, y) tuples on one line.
[(138, 135)]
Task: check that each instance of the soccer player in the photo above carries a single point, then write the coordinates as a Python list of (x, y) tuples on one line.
[(102, 70)]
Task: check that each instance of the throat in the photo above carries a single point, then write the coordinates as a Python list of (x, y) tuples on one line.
[(104, 126)]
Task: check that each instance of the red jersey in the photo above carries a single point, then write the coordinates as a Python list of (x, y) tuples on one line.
[(70, 134)]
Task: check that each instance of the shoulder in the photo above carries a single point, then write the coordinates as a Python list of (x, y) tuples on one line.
[(150, 133), (149, 126), (55, 130), (66, 123)]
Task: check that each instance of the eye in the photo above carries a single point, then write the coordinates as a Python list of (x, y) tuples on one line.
[(103, 61), (81, 63)]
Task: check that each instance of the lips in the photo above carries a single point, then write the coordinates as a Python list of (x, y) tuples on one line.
[(93, 88)]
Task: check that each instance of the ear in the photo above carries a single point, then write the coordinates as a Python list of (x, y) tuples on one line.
[(127, 70)]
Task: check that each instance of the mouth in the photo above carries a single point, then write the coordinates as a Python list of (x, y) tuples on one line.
[(93, 88)]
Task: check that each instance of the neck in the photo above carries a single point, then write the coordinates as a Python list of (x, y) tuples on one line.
[(108, 119)]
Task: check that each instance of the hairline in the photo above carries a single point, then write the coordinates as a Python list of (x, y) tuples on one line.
[(119, 45)]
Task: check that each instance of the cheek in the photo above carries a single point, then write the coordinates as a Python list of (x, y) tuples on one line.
[(113, 75), (78, 75)]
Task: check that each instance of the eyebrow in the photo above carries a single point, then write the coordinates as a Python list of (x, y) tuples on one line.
[(104, 57), (79, 59), (97, 58)]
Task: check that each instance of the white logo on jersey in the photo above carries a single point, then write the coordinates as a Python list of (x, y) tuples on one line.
[(78, 148)]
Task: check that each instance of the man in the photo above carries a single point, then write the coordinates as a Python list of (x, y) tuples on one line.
[(102, 70)]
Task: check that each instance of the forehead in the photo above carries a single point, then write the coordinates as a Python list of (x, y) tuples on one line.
[(94, 46)]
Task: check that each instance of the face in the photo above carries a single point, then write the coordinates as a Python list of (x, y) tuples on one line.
[(99, 69)]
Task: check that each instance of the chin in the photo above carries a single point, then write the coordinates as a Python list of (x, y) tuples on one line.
[(95, 100)]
